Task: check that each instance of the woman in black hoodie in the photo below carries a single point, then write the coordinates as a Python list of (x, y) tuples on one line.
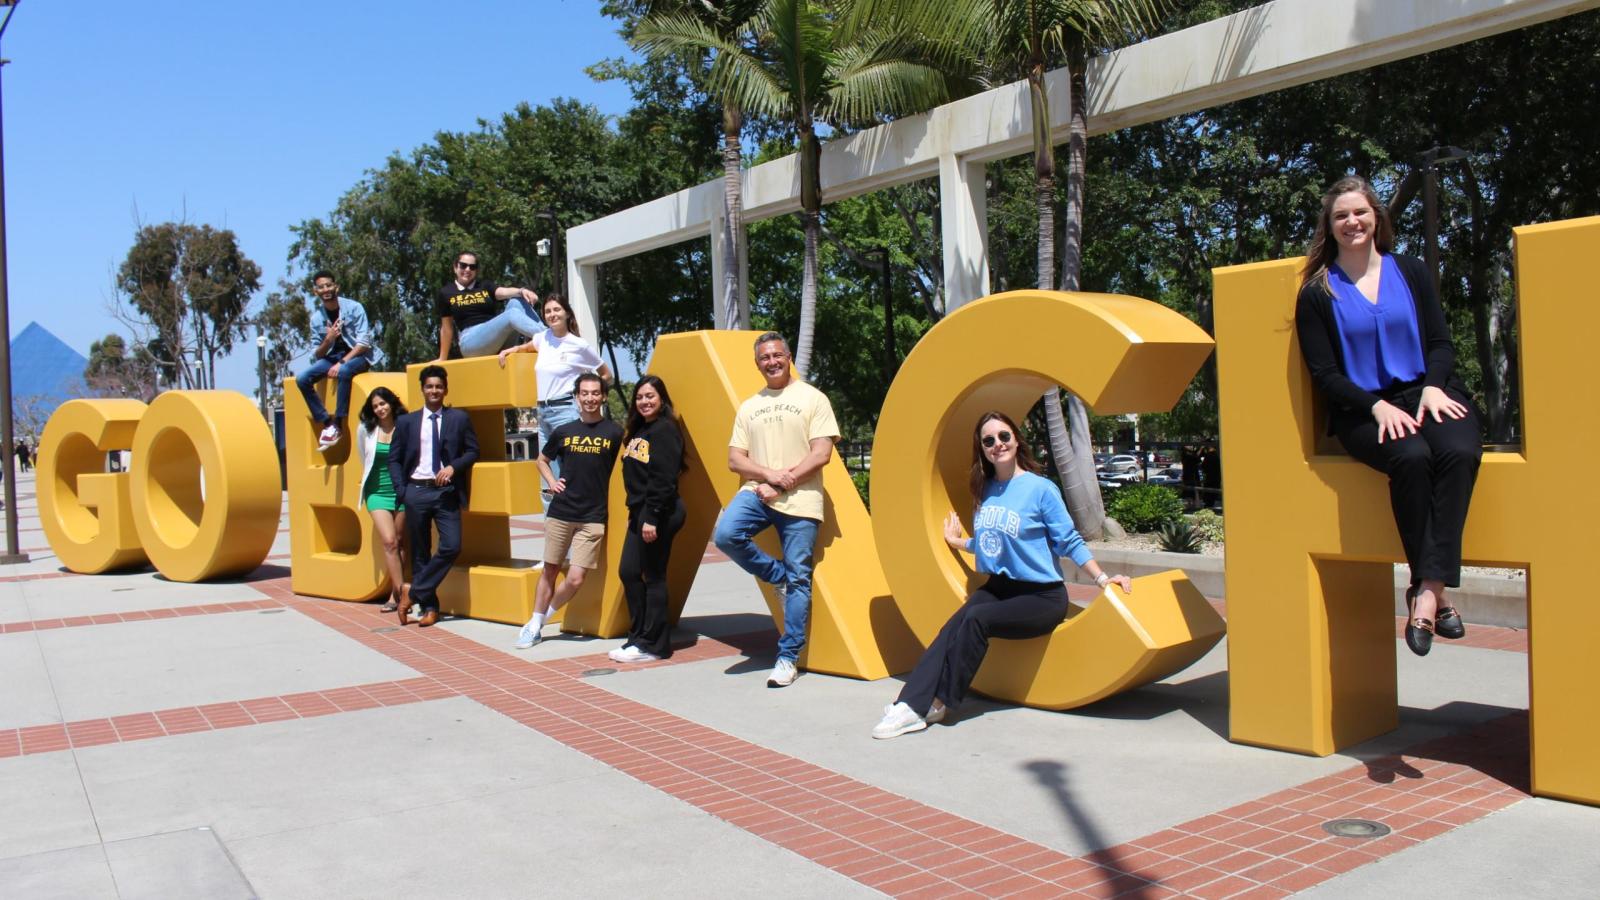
[(652, 458)]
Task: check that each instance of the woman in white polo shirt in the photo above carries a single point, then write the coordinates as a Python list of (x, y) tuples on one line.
[(563, 356)]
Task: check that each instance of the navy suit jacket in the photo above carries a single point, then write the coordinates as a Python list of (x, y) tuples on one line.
[(458, 447)]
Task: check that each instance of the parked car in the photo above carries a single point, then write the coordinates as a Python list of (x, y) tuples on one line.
[(1172, 475), (1123, 462), (1118, 479)]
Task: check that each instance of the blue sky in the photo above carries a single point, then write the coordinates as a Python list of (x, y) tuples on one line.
[(250, 116)]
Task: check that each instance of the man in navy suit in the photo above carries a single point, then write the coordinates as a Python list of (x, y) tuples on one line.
[(430, 463)]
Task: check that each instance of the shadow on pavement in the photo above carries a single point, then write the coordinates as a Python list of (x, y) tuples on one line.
[(1052, 775)]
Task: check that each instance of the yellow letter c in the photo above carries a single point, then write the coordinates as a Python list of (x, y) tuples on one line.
[(1120, 354)]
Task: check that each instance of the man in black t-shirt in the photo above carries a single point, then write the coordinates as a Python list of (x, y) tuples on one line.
[(576, 518), (484, 315)]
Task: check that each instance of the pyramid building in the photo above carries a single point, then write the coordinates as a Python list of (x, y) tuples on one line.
[(45, 372)]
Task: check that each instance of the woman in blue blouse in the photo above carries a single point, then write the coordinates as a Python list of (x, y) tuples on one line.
[(1020, 530), (1374, 337)]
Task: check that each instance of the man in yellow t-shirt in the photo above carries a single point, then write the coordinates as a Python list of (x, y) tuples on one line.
[(782, 437)]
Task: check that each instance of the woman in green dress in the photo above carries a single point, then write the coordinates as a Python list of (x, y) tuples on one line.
[(378, 416)]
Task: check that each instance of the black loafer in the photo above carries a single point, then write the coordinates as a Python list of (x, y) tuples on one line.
[(1449, 624), (1419, 632)]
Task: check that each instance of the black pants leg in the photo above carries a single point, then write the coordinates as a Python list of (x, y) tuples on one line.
[(1002, 608), (1431, 474), (432, 506), (643, 571)]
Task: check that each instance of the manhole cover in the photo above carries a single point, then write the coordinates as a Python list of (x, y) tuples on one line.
[(268, 612), (386, 629), (590, 673), (1355, 828)]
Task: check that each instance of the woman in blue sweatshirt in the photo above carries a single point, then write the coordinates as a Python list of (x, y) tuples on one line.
[(1020, 530)]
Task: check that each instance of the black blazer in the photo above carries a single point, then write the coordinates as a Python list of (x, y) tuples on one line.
[(1318, 330), (459, 448)]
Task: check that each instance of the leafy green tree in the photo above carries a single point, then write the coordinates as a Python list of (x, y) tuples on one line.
[(116, 370), (798, 61), (184, 289), (285, 321)]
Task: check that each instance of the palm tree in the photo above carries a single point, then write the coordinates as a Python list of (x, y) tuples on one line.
[(726, 19), (1030, 36), (805, 62), (1086, 25)]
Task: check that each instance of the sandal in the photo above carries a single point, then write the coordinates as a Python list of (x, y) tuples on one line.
[(1419, 631), (1448, 624)]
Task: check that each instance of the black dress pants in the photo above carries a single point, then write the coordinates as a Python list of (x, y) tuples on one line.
[(643, 571), (1431, 474), (1003, 608), (429, 505)]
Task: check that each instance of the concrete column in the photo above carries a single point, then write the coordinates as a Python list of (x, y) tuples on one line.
[(583, 292), (964, 221)]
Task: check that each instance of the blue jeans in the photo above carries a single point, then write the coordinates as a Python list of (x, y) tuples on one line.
[(486, 338), (745, 517), (551, 418), (318, 370)]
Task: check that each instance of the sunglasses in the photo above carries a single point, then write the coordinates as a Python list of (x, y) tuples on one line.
[(462, 265), (1003, 437)]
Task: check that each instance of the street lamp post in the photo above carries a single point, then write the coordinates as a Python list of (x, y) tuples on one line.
[(13, 552), (261, 372), (891, 361), (559, 258)]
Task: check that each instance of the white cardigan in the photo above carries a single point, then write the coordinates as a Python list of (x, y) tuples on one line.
[(368, 448)]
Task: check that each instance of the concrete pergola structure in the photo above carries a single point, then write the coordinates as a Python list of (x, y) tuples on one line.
[(1267, 48)]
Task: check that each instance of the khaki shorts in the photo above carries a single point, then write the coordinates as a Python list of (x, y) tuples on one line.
[(583, 538)]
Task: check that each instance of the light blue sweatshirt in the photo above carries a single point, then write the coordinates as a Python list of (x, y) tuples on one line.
[(1022, 529)]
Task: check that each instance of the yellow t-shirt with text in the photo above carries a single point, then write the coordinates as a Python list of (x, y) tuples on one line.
[(776, 428)]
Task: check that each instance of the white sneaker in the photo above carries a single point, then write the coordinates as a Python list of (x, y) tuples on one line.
[(328, 437), (935, 714), (783, 674), (898, 719), (635, 655), (528, 636), (625, 653)]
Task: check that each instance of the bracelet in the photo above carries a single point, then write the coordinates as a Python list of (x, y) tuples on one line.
[(1102, 580)]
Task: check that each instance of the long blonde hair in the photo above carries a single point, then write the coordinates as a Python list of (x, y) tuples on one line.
[(1323, 249)]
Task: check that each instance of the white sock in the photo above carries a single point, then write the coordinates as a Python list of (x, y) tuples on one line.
[(538, 620)]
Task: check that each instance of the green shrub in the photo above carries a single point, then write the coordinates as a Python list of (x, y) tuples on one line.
[(1144, 507), (1181, 537), (863, 482), (1209, 523)]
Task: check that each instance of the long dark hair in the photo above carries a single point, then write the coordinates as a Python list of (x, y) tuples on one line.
[(636, 422), (553, 297), (982, 469), (369, 419), (1324, 249)]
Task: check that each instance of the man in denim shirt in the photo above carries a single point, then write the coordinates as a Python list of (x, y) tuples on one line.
[(345, 351)]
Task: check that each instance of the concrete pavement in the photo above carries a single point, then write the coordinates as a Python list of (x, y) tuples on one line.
[(235, 740)]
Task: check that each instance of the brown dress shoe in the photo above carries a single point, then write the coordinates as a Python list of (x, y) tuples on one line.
[(405, 604), (429, 616)]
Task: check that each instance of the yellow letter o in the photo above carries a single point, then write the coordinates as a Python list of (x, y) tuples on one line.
[(205, 480)]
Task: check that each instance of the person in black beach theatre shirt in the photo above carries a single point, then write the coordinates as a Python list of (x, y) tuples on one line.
[(484, 315), (576, 518)]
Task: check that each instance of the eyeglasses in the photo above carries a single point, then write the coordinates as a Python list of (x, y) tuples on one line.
[(1003, 437), (462, 265)]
